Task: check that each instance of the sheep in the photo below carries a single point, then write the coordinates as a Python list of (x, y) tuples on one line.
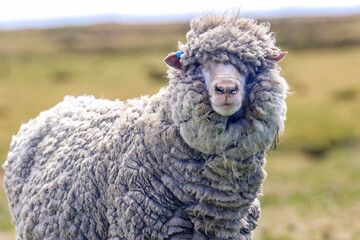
[(185, 163)]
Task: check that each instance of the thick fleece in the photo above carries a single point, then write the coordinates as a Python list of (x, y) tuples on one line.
[(159, 167)]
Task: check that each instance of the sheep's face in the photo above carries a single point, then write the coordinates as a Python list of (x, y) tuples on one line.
[(225, 86), (224, 83)]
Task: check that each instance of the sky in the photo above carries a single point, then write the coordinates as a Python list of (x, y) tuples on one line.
[(42, 10)]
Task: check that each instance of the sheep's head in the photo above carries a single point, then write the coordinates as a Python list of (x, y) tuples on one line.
[(227, 95), (226, 49)]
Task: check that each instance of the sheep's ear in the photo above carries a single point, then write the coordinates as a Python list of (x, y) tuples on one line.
[(173, 60), (278, 57)]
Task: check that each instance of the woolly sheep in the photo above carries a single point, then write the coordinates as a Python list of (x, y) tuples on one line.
[(181, 164)]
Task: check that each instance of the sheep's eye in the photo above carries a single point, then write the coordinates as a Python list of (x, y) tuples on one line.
[(219, 90)]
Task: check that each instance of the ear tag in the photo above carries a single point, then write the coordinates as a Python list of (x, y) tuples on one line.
[(178, 54)]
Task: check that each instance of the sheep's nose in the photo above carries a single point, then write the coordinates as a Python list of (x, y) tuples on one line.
[(226, 89)]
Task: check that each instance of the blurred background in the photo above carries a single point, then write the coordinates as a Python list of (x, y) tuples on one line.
[(49, 49)]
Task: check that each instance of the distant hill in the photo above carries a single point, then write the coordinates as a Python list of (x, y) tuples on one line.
[(317, 32), (294, 33)]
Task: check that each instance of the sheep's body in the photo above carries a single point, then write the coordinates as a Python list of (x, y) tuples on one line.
[(160, 167)]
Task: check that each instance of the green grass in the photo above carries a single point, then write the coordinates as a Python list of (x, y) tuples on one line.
[(312, 186), (311, 199), (317, 115)]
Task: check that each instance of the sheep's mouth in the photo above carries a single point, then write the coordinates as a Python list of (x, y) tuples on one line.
[(226, 109)]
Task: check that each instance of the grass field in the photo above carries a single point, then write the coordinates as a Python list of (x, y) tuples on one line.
[(312, 189)]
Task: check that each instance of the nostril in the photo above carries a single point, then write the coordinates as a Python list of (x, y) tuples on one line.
[(232, 90), (219, 90)]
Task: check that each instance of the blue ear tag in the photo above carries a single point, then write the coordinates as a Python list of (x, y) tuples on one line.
[(178, 54)]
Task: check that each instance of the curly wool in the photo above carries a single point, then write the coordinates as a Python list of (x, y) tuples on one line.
[(159, 167)]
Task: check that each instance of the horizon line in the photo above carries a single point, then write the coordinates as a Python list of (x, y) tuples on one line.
[(290, 12)]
